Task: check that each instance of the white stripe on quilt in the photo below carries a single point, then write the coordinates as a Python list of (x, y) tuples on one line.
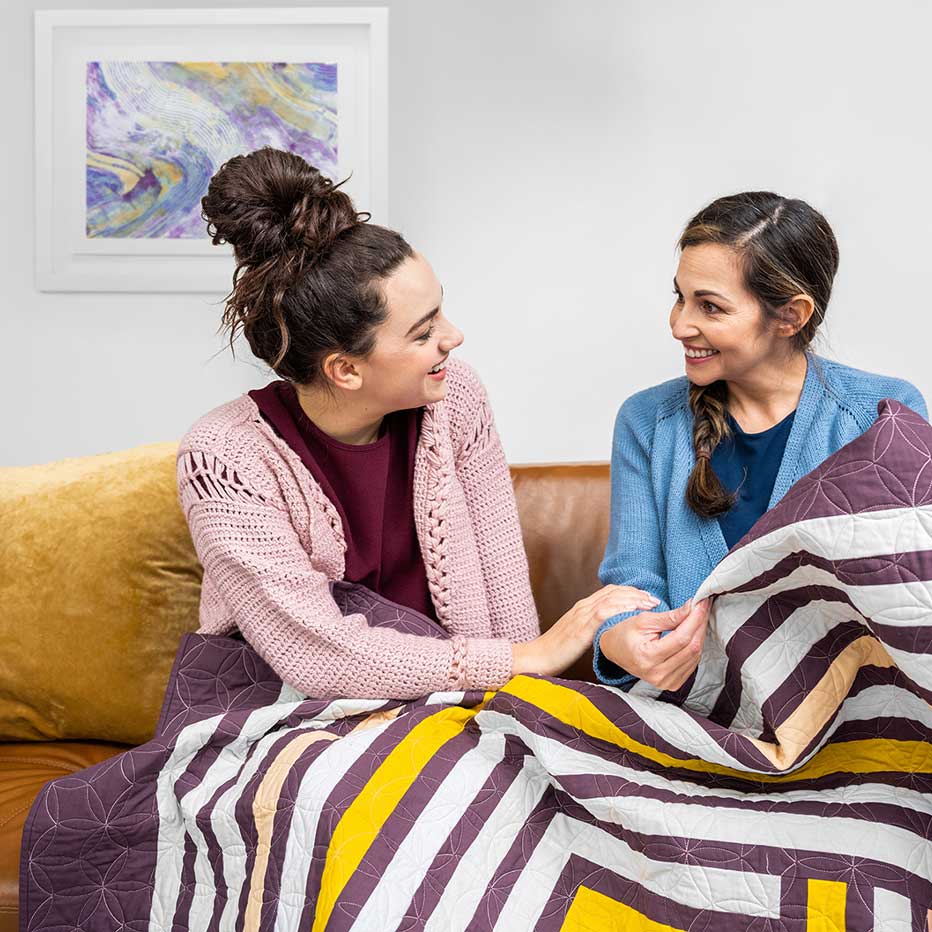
[(227, 832), (559, 759), (385, 908), (223, 821), (733, 891), (836, 835), (318, 782), (447, 698), (780, 654), (915, 666), (290, 694), (899, 604), (478, 863), (676, 726), (173, 815), (886, 701), (169, 848), (892, 912), (838, 537)]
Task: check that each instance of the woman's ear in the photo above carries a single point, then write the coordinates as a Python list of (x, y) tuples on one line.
[(795, 314), (342, 372)]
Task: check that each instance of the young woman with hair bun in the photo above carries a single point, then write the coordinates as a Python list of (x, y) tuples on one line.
[(698, 459), (372, 459)]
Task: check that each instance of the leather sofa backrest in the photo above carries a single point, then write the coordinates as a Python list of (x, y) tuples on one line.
[(564, 512)]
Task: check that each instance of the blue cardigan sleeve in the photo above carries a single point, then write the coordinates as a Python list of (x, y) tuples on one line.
[(633, 555), (868, 389)]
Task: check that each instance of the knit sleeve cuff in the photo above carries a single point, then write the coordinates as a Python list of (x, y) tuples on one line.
[(607, 671), (487, 662)]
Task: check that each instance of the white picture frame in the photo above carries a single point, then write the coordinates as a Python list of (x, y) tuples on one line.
[(66, 41)]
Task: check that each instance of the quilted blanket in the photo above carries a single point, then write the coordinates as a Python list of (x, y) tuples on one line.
[(787, 786)]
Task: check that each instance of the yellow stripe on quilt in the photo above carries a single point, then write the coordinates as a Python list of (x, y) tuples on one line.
[(825, 908), (366, 815), (873, 755), (592, 911)]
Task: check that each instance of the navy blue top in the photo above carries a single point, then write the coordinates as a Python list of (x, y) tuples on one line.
[(748, 464)]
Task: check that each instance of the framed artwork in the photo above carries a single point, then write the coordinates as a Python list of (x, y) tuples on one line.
[(136, 110)]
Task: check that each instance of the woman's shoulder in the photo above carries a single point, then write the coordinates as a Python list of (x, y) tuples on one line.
[(653, 413), (216, 428), (233, 435), (858, 388), (655, 404)]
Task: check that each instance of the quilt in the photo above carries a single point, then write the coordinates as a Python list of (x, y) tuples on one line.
[(787, 786)]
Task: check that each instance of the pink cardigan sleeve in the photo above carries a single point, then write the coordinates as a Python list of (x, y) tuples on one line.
[(483, 472), (253, 557)]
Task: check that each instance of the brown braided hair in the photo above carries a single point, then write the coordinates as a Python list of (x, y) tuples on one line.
[(308, 265), (785, 248)]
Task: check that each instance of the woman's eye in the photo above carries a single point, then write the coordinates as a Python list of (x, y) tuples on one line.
[(426, 335), (707, 306)]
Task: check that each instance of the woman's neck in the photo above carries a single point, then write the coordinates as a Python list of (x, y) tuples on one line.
[(343, 418), (768, 395)]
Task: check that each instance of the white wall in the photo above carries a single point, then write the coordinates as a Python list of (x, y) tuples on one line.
[(544, 156)]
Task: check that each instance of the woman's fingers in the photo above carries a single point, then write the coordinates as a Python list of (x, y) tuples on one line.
[(679, 675), (611, 588), (661, 650), (672, 673), (667, 661), (674, 670), (691, 629), (668, 621), (625, 598), (609, 607)]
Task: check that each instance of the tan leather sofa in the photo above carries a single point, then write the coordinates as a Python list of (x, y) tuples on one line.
[(99, 579)]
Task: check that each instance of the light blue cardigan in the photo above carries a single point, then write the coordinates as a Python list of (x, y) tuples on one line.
[(656, 542)]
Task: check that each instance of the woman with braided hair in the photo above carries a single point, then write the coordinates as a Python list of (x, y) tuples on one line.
[(697, 460), (373, 460)]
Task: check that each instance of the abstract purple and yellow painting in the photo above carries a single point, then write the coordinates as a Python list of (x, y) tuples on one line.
[(157, 131)]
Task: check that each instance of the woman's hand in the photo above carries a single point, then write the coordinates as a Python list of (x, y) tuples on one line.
[(667, 662), (571, 636)]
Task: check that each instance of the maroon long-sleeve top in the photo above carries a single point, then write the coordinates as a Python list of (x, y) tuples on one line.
[(371, 486)]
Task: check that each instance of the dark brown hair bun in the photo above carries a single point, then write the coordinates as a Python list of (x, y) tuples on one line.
[(308, 265), (271, 202)]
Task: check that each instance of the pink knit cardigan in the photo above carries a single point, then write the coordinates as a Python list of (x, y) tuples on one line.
[(270, 541)]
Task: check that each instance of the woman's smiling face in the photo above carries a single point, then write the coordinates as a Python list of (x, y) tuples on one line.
[(407, 366), (720, 324)]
